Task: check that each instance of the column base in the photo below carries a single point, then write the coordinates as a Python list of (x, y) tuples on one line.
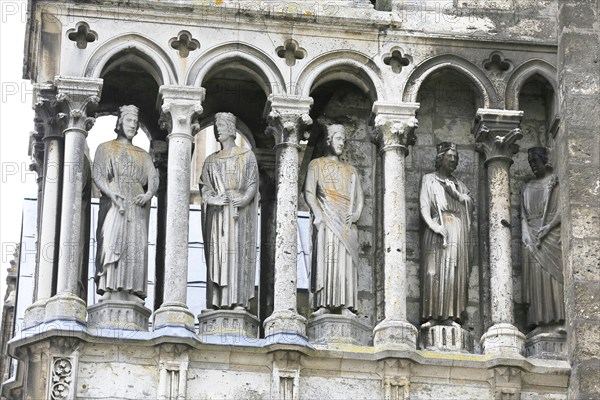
[(66, 306), (175, 315), (285, 321), (548, 344), (118, 314), (502, 338), (35, 314), (228, 322), (395, 333), (447, 338), (333, 328)]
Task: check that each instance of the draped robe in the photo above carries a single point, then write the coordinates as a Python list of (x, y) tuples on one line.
[(543, 274), (335, 244), (230, 232), (444, 270), (122, 237)]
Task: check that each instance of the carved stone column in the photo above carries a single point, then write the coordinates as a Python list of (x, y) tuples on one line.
[(50, 127), (79, 98), (496, 132), (394, 132), (287, 120), (180, 104), (159, 154)]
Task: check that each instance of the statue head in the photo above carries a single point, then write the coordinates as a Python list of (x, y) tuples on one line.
[(224, 126), (539, 161), (446, 156), (127, 122), (335, 139)]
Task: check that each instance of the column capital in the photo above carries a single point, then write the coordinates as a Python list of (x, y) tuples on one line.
[(79, 98), (179, 105), (49, 122), (394, 125), (496, 133), (288, 118)]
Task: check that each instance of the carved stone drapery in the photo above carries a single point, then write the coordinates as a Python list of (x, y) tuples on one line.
[(180, 104), (288, 119), (79, 98), (393, 133), (496, 133)]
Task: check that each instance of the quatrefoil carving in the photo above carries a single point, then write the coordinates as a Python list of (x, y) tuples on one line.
[(496, 63), (396, 59), (184, 43), (82, 35), (291, 51)]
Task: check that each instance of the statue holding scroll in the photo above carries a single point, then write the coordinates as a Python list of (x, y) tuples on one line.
[(542, 255), (229, 187), (446, 208), (127, 179), (335, 197)]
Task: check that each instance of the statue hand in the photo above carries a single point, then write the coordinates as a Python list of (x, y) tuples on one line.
[(352, 218), (440, 230), (542, 234), (218, 200), (317, 221), (238, 202), (117, 200), (450, 188), (141, 199)]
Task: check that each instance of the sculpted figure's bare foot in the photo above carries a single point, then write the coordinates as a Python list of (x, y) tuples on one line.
[(347, 312), (429, 324), (320, 311)]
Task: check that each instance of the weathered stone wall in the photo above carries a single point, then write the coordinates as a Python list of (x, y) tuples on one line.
[(578, 158)]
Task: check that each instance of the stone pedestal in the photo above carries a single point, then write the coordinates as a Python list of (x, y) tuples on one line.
[(502, 338), (547, 345), (118, 314), (332, 328), (447, 338), (228, 322), (35, 314), (66, 307)]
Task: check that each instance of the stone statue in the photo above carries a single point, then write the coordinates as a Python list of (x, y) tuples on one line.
[(334, 194), (127, 180), (446, 208), (229, 187), (542, 261)]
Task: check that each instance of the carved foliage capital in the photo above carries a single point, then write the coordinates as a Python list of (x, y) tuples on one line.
[(287, 128), (389, 132), (49, 121), (180, 105), (287, 118), (78, 99), (496, 133), (394, 125)]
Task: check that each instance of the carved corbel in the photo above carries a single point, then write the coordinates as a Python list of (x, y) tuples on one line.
[(286, 375), (496, 133), (506, 383), (173, 367), (396, 379), (78, 98)]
